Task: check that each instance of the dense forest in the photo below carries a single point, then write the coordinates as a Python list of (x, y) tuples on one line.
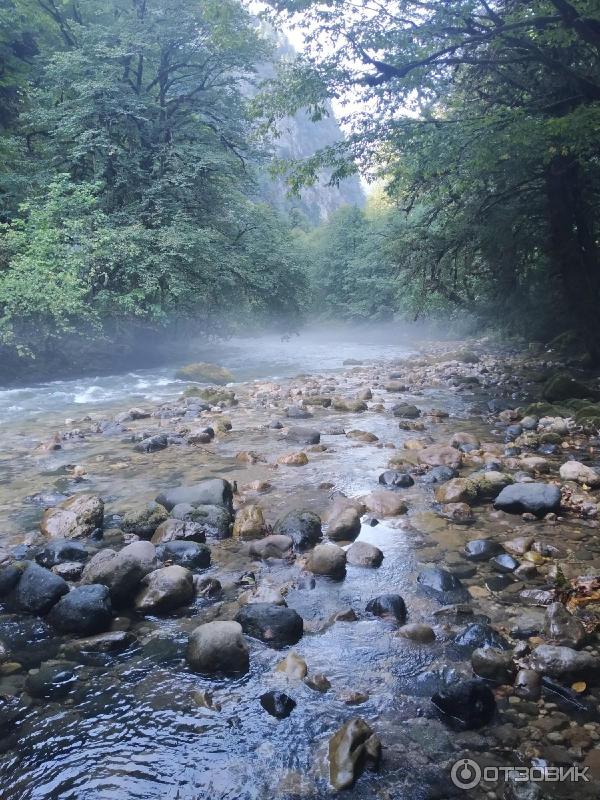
[(136, 135)]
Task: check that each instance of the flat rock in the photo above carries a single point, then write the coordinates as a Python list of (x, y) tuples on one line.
[(533, 498)]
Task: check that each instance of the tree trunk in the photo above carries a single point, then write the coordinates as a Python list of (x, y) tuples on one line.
[(573, 248)]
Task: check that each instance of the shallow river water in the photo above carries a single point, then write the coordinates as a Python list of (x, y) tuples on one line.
[(131, 724)]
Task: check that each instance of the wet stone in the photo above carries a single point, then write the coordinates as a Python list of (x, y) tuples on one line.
[(274, 625), (395, 479), (467, 705), (442, 585), (390, 606), (482, 549), (302, 526), (52, 680), (479, 635), (277, 704), (83, 611)]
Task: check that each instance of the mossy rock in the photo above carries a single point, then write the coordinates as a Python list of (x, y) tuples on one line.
[(589, 416), (563, 386), (547, 410), (205, 373), (211, 395)]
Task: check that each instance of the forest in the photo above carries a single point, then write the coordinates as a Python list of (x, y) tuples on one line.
[(135, 136)]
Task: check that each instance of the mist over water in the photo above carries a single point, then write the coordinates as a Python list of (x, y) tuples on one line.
[(268, 356)]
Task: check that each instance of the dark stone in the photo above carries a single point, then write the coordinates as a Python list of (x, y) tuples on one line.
[(504, 563), (297, 412), (395, 479), (275, 625), (497, 583), (207, 492), (406, 411), (534, 498), (39, 589), (480, 635), (303, 527), (302, 435), (52, 681), (440, 475), (191, 555), (465, 706), (58, 551), (388, 605), (9, 577), (442, 585), (84, 611), (275, 425), (27, 639), (512, 432), (152, 444), (277, 704), (482, 549)]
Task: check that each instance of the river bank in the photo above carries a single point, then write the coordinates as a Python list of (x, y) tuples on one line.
[(428, 578)]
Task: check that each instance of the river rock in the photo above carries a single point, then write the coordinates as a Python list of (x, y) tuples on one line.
[(297, 412), (353, 748), (299, 459), (395, 479), (203, 372), (416, 632), (165, 590), (178, 530), (153, 444), (84, 611), (439, 475), (482, 549), (39, 589), (190, 555), (218, 648), (439, 455), (59, 551), (53, 680), (385, 503), (351, 406), (479, 635), (456, 490), (406, 411), (214, 521), (76, 518), (207, 492), (275, 625), (249, 523), (144, 520), (122, 572), (277, 704), (442, 585), (302, 526), (327, 559), (273, 546), (563, 628), (528, 684), (109, 642), (493, 664), (519, 546), (489, 483), (302, 435), (504, 563), (389, 606), (580, 473), (564, 662), (465, 706), (293, 666), (9, 577), (459, 513), (532, 498), (363, 554), (343, 523), (464, 441)]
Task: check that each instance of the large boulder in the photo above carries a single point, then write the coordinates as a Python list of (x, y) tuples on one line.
[(122, 572), (352, 748), (534, 498), (39, 589), (76, 518), (165, 590), (178, 530), (343, 524), (302, 526), (9, 577), (84, 611), (363, 554), (190, 555), (563, 386), (218, 647), (277, 626), (208, 491), (327, 559), (203, 372), (580, 473)]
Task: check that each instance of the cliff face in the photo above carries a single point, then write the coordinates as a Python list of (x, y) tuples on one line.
[(299, 139)]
